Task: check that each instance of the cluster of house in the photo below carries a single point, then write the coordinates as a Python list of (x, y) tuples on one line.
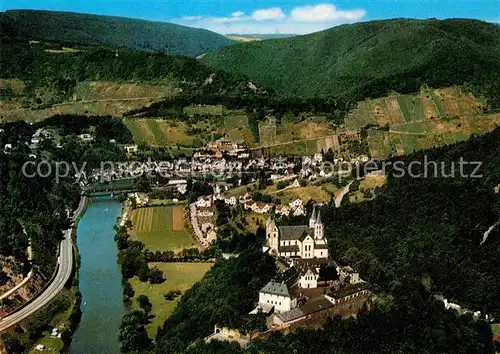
[(310, 282), (220, 147), (295, 208), (204, 209)]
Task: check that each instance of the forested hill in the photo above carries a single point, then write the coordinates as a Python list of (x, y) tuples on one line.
[(85, 29), (371, 58), (59, 74)]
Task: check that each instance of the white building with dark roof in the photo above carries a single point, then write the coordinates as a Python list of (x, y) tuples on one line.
[(301, 241), (277, 295)]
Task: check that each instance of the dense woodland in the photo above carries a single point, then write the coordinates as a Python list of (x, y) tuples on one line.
[(83, 29), (371, 59), (430, 228), (31, 208)]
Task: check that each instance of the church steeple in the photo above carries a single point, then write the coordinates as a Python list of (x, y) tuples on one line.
[(318, 219), (312, 220), (318, 227)]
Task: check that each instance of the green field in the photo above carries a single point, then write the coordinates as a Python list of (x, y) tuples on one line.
[(235, 121), (437, 103), (161, 228), (180, 276), (412, 127), (299, 148), (216, 110), (360, 116), (52, 345), (412, 108)]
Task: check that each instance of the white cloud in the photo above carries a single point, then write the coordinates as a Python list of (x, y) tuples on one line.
[(301, 20), (325, 12), (192, 18), (273, 13)]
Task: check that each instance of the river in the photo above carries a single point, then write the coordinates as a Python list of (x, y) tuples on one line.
[(100, 279)]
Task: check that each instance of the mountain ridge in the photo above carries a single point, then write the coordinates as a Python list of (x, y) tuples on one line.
[(89, 29), (368, 59)]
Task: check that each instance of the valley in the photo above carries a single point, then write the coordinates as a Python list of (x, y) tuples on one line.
[(261, 210)]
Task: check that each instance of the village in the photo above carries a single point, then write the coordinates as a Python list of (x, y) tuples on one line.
[(310, 285)]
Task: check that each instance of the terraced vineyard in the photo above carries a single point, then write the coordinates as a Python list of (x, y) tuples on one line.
[(431, 118)]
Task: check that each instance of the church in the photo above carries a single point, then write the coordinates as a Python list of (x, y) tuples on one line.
[(302, 241)]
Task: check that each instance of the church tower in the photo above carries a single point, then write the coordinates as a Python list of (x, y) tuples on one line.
[(312, 220), (272, 235), (318, 228)]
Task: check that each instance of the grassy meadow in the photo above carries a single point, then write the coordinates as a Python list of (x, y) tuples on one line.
[(179, 276)]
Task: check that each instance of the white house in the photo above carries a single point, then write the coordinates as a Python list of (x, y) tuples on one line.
[(296, 203), (203, 202), (261, 208), (283, 210), (298, 211), (182, 188), (230, 201), (277, 295), (309, 278), (86, 137)]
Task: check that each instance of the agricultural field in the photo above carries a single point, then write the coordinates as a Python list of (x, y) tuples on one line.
[(103, 90), (404, 139), (90, 98), (297, 148), (158, 132), (161, 228), (179, 276), (411, 107), (429, 104), (113, 108), (236, 128), (271, 132), (63, 50), (215, 110)]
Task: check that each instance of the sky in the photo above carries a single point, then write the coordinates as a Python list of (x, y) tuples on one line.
[(268, 16)]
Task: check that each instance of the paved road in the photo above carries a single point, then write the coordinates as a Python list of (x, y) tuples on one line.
[(339, 198), (65, 267)]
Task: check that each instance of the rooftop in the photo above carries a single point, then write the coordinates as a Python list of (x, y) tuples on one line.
[(276, 288), (293, 232), (305, 310)]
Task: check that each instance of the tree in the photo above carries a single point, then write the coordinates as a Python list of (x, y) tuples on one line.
[(133, 336), (144, 303), (12, 345), (128, 291), (156, 276)]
